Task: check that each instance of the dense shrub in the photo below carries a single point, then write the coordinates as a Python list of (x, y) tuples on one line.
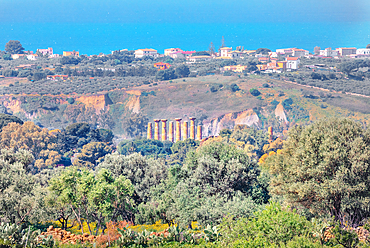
[(254, 92)]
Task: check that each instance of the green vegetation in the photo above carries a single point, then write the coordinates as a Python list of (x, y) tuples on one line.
[(91, 172), (212, 194), (14, 47), (323, 168)]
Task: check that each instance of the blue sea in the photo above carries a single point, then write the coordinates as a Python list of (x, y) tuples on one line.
[(95, 38)]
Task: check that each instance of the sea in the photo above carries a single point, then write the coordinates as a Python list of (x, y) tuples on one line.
[(96, 38)]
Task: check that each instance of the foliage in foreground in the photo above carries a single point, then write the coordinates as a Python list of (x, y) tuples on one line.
[(324, 168)]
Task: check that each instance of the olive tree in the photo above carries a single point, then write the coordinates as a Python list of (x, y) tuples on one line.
[(145, 174), (19, 191), (325, 168)]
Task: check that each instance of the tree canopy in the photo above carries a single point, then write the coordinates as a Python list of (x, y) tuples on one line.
[(324, 168), (99, 197), (264, 51), (91, 154), (5, 119), (30, 137), (14, 47), (18, 189)]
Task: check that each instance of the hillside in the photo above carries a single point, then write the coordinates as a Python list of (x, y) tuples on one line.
[(214, 100)]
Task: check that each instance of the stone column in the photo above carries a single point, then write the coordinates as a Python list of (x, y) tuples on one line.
[(192, 128), (156, 129), (150, 131), (199, 133), (164, 129), (170, 132), (185, 130), (178, 129)]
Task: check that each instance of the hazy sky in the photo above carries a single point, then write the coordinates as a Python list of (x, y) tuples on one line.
[(184, 11)]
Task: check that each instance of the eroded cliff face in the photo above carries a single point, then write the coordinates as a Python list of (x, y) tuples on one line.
[(98, 102), (133, 104), (215, 125), (13, 105), (280, 113)]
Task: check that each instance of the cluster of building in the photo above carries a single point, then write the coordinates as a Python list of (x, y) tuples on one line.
[(44, 52), (351, 52), (181, 132), (279, 61)]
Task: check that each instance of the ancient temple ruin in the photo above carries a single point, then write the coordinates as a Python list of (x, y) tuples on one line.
[(180, 133)]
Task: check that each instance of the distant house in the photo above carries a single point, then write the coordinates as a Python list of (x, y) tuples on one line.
[(73, 53), (292, 63), (363, 51), (284, 51), (197, 59), (32, 56), (344, 51), (235, 68), (225, 51), (146, 52), (299, 52), (187, 53), (177, 55), (17, 56), (167, 52), (328, 52), (44, 52), (162, 66), (234, 54), (282, 65), (292, 52)]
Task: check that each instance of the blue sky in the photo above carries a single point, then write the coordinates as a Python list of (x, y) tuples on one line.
[(184, 11)]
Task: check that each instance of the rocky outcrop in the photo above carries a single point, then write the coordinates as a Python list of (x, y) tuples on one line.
[(280, 113), (215, 125)]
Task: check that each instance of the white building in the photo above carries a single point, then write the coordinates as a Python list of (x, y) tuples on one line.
[(284, 51), (299, 52), (17, 56), (225, 51), (292, 63), (234, 54), (32, 56), (363, 51), (146, 52), (167, 52), (44, 52), (197, 59), (328, 52), (345, 51), (177, 55), (294, 52)]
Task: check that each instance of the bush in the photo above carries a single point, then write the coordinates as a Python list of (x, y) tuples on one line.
[(234, 87), (213, 89), (272, 226), (70, 100), (254, 92)]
